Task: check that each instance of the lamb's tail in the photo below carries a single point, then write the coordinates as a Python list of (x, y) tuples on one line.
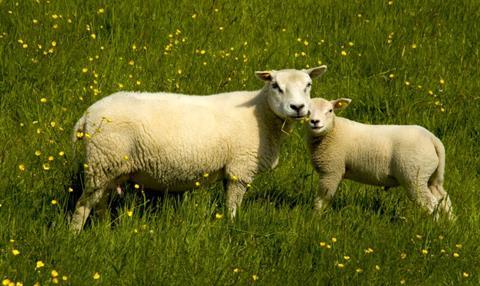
[(435, 183), (438, 176), (79, 129)]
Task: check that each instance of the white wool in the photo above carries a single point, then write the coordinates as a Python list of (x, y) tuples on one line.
[(168, 142), (382, 155)]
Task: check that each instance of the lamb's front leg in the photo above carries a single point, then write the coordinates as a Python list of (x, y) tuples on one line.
[(328, 185)]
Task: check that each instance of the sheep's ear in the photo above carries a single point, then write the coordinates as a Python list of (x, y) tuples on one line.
[(341, 103), (316, 71), (264, 75)]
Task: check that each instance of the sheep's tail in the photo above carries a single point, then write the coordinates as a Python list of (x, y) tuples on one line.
[(438, 176), (79, 129)]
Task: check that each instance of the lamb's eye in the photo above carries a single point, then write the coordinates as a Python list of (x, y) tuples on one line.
[(277, 87), (330, 111), (309, 84)]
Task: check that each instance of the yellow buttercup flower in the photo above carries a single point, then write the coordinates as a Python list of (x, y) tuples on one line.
[(39, 264), (21, 167), (15, 252), (96, 276)]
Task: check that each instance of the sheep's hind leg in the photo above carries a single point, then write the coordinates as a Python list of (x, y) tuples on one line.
[(102, 209), (95, 191)]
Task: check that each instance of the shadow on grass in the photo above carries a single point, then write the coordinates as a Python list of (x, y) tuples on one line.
[(152, 201)]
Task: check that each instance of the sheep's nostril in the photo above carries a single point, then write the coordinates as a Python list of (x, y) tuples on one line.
[(297, 107), (314, 121)]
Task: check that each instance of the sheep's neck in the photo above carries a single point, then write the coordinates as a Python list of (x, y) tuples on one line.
[(280, 127)]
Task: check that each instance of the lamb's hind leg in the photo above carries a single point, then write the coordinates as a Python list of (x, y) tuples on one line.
[(444, 203), (422, 195)]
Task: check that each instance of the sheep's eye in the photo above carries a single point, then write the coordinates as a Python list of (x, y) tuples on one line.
[(277, 87), (330, 110), (309, 84)]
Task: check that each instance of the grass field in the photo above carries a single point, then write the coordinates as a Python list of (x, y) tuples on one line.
[(402, 62)]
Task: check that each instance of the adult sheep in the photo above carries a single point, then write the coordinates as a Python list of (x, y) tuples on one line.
[(167, 141), (382, 155)]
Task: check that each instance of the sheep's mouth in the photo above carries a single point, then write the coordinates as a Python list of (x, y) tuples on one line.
[(298, 117), (316, 127)]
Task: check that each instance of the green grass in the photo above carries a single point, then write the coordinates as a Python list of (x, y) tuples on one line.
[(277, 235)]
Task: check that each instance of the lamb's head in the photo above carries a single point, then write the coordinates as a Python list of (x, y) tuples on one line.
[(322, 115), (288, 91)]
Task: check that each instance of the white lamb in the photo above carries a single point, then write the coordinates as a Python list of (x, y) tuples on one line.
[(171, 142), (382, 155)]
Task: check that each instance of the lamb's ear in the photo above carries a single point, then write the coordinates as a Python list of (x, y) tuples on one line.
[(316, 71), (264, 75), (341, 103)]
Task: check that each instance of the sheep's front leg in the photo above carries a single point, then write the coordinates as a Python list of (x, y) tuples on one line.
[(328, 185), (235, 192)]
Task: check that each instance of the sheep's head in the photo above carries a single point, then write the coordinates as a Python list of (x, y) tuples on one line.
[(322, 115), (289, 90)]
